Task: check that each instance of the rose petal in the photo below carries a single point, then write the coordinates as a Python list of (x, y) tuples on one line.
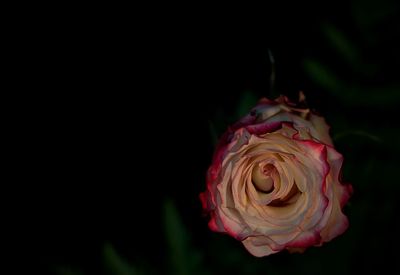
[(321, 129), (256, 248)]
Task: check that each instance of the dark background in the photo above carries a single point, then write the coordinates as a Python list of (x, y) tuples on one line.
[(119, 147)]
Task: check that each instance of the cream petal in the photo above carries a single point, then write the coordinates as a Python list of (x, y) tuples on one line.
[(258, 249), (285, 235), (305, 239), (321, 129), (265, 112), (337, 222), (233, 223)]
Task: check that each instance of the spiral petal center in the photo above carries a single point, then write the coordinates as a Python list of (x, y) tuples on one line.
[(262, 178)]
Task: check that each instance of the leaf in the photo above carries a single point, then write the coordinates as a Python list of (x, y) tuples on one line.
[(322, 75), (357, 133), (115, 264), (341, 43), (247, 101), (184, 259), (351, 93)]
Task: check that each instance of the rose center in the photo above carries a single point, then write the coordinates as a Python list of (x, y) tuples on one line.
[(262, 177)]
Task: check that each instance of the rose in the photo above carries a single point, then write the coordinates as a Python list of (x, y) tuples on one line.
[(274, 182)]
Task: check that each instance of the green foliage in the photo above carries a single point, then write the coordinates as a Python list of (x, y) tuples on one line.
[(183, 257), (247, 101), (359, 134), (341, 44), (352, 93), (115, 264), (358, 59), (323, 76)]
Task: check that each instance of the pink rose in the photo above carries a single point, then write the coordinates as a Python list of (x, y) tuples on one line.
[(274, 182)]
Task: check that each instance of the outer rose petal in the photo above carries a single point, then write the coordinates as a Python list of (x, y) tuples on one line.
[(256, 248), (337, 222), (215, 223), (321, 128)]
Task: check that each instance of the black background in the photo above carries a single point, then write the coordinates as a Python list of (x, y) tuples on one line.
[(123, 123)]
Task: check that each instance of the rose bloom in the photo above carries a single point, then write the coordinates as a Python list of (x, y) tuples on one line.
[(275, 181)]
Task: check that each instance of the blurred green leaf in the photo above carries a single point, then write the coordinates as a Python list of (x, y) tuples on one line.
[(322, 75), (184, 259), (247, 101), (341, 43), (384, 96), (357, 133), (115, 264), (350, 93), (348, 51)]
